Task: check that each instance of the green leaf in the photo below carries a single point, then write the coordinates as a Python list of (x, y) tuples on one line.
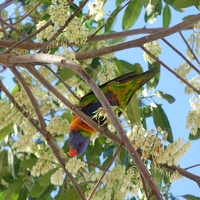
[(190, 197), (131, 14), (14, 190), (72, 194), (160, 119), (15, 90), (45, 179), (125, 67), (165, 96), (98, 147), (112, 19), (185, 3), (119, 2), (187, 17), (154, 81), (4, 165), (5, 131), (166, 16), (144, 2), (156, 176), (65, 74), (133, 110), (29, 163), (122, 65), (195, 137), (23, 193)]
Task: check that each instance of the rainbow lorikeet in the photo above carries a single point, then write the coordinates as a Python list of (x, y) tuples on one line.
[(118, 92)]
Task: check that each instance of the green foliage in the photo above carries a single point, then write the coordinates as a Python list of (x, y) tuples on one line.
[(131, 14), (166, 16), (160, 119)]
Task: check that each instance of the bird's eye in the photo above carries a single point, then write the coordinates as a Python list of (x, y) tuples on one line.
[(80, 144)]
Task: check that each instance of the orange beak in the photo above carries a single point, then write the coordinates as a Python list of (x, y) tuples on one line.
[(72, 152)]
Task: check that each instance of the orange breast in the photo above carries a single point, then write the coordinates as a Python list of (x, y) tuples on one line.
[(78, 124)]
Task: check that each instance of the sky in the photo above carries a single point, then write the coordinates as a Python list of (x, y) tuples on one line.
[(176, 112)]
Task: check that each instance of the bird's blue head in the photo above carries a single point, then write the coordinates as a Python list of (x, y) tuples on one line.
[(77, 142)]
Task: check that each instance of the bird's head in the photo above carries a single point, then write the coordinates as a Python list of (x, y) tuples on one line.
[(77, 142)]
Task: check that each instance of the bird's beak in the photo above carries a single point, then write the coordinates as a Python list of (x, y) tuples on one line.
[(72, 152)]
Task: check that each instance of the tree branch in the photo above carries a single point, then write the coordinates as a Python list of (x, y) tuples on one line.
[(30, 96), (137, 42), (169, 69)]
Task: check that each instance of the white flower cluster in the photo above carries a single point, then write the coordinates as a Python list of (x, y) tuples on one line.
[(9, 114), (195, 81), (74, 164), (24, 143), (115, 184), (96, 9), (193, 118), (59, 12), (75, 32), (57, 177), (43, 165), (107, 72), (70, 55), (183, 70), (152, 145), (58, 126), (46, 33), (154, 48)]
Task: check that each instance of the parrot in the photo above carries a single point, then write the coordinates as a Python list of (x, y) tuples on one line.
[(118, 92)]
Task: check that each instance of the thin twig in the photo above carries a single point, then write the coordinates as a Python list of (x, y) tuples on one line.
[(110, 18), (180, 54), (28, 37), (30, 96), (63, 82), (173, 72), (197, 165), (17, 22), (195, 57), (104, 173), (64, 26), (144, 186), (137, 42)]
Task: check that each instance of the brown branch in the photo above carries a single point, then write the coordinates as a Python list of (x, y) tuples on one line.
[(63, 82), (6, 4), (90, 39), (104, 173), (137, 42), (48, 138), (30, 96), (28, 37), (169, 69)]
